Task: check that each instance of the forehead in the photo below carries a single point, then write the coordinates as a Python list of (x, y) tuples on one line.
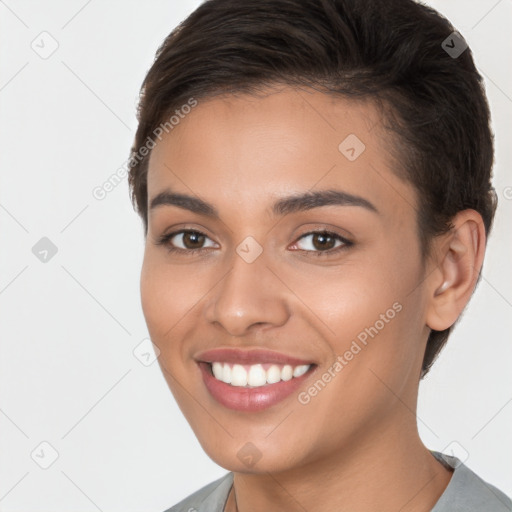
[(243, 152)]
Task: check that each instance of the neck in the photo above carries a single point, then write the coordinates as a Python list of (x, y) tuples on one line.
[(388, 471)]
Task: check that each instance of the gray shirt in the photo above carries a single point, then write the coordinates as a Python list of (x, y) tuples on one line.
[(466, 492)]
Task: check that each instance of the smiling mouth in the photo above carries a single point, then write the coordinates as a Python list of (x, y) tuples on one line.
[(256, 375), (251, 379), (241, 396)]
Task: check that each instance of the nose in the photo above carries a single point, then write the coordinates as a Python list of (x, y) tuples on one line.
[(250, 296)]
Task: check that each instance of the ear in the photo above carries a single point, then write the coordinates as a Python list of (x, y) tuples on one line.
[(457, 258)]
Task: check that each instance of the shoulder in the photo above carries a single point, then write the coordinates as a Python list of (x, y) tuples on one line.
[(467, 492), (210, 498)]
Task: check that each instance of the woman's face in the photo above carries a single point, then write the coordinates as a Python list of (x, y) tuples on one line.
[(351, 302)]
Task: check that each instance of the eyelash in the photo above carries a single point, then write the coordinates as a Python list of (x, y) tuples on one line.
[(165, 241)]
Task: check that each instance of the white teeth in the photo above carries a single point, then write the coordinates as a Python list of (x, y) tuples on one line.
[(217, 369), (257, 375), (237, 375), (273, 374), (226, 373), (300, 370), (287, 372)]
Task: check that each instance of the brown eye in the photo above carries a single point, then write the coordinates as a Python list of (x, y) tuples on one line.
[(186, 241), (193, 240), (323, 241), (319, 242)]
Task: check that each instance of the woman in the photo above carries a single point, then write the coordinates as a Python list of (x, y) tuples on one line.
[(314, 179)]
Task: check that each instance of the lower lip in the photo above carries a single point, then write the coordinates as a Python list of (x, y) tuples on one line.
[(250, 399)]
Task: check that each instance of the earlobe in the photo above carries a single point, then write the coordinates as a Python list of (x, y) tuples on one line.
[(459, 258)]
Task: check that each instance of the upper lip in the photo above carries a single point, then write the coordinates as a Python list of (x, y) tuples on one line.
[(252, 356)]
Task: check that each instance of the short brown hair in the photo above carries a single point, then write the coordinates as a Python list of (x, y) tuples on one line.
[(387, 50)]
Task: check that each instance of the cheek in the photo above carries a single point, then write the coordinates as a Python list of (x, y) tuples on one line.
[(171, 298), (151, 288), (162, 298), (345, 299), (365, 307), (380, 333), (167, 292)]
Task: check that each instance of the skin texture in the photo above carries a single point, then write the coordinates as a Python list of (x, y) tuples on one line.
[(355, 445)]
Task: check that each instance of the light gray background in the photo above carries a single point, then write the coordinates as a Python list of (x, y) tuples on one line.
[(68, 374)]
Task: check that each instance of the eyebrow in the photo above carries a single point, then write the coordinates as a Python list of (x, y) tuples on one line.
[(284, 206)]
